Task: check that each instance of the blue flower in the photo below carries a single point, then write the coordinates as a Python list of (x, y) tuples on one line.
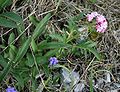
[(53, 61), (11, 89)]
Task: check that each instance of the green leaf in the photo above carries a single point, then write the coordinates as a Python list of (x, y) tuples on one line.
[(34, 45), (51, 53), (41, 60), (3, 61), (20, 80), (11, 54), (7, 23), (4, 3), (5, 70), (95, 52), (71, 25), (41, 26), (11, 38), (34, 71), (19, 69), (22, 51), (91, 83), (46, 70), (52, 45), (57, 45), (13, 48), (34, 20), (61, 66), (12, 16), (34, 85), (78, 17), (42, 44), (2, 46), (93, 1), (30, 60), (12, 20), (89, 46), (21, 30), (57, 37)]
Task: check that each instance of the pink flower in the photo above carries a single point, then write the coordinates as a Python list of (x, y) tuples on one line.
[(100, 18), (91, 16), (100, 29), (94, 14), (101, 22)]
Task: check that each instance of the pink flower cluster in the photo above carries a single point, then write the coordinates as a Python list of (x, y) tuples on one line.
[(101, 22)]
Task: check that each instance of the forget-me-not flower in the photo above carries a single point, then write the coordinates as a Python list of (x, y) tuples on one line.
[(11, 89), (53, 61)]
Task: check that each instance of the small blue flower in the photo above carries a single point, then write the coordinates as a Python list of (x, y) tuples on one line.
[(11, 89), (53, 61)]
